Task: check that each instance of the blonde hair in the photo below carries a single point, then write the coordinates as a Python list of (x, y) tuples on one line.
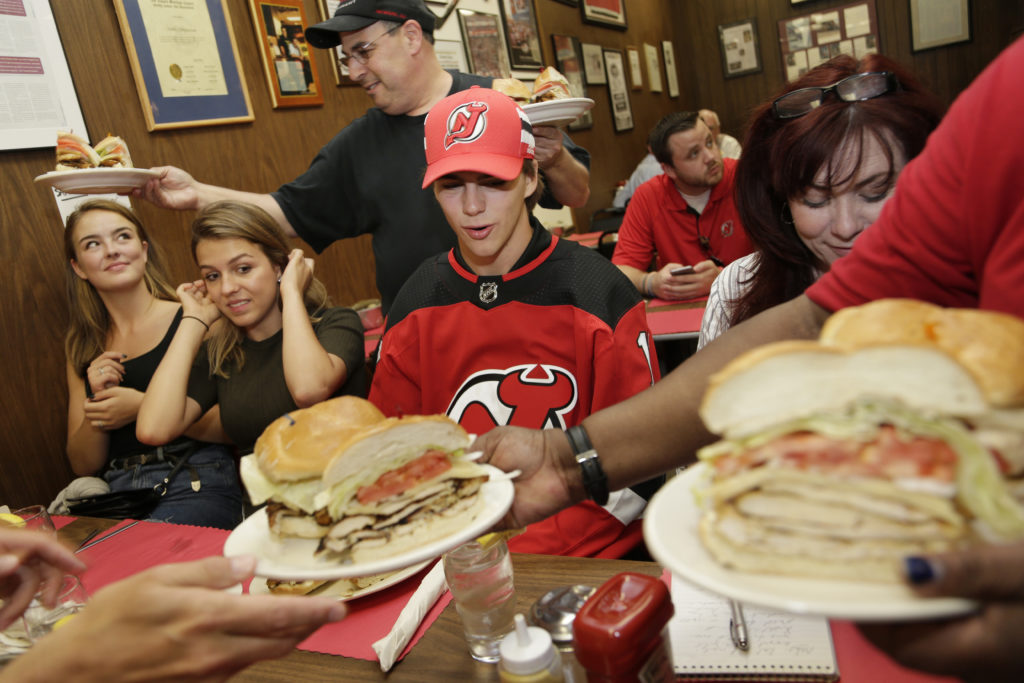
[(89, 322), (239, 220)]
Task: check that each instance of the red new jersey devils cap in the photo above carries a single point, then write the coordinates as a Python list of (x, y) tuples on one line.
[(355, 15), (477, 130)]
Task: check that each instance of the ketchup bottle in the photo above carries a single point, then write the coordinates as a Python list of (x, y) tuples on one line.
[(621, 632)]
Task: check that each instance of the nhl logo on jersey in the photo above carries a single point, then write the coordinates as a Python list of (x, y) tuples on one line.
[(488, 292)]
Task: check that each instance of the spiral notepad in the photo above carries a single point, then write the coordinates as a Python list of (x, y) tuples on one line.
[(783, 646)]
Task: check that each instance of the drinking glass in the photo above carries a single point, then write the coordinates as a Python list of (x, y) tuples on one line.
[(39, 619), (480, 579), (36, 517)]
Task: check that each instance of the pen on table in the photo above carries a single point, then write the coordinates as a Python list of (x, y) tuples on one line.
[(92, 534), (738, 626), (113, 533)]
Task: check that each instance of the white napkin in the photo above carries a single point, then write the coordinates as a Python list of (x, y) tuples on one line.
[(431, 588)]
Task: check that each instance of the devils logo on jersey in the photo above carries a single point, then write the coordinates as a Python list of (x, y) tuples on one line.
[(533, 395), (466, 123)]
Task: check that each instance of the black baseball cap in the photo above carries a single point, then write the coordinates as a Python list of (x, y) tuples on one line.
[(354, 15)]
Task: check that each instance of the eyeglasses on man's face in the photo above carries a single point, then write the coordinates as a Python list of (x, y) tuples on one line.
[(361, 52), (855, 88)]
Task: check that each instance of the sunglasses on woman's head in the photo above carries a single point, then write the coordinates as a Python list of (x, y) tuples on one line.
[(855, 88)]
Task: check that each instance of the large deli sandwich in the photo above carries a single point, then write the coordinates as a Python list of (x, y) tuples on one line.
[(400, 484), (289, 459), (74, 152), (899, 432)]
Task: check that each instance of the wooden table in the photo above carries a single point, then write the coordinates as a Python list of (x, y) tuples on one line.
[(442, 654)]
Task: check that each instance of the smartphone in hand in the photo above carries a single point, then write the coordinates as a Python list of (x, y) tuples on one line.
[(682, 270)]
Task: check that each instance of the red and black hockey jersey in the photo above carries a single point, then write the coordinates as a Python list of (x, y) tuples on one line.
[(563, 334)]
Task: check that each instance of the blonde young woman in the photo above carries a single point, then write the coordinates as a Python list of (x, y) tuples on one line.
[(275, 343), (123, 316)]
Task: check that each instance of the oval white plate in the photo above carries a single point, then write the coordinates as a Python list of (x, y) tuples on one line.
[(97, 180), (670, 530), (259, 585), (293, 558), (557, 112)]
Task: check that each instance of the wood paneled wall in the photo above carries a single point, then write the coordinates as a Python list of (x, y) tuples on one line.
[(947, 70), (278, 145)]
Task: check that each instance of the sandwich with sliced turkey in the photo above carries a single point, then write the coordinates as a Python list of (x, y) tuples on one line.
[(895, 434), (398, 485), (288, 461), (113, 153), (74, 152), (514, 88), (550, 85)]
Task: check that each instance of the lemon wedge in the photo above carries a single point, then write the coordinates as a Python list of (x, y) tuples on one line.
[(63, 620), (7, 519), (487, 540)]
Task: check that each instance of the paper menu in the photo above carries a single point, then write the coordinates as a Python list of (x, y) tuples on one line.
[(782, 645)]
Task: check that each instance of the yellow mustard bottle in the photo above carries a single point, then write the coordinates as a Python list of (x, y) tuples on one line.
[(529, 656)]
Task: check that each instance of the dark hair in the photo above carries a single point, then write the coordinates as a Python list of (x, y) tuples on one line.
[(781, 159), (676, 122)]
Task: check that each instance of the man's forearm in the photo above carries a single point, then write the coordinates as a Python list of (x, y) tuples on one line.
[(568, 180), (660, 429)]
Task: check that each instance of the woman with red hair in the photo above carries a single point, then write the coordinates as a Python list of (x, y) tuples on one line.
[(819, 163)]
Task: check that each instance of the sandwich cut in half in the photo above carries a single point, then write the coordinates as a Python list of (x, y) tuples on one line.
[(113, 153), (514, 88), (550, 85), (74, 152), (897, 433), (286, 466), (399, 485)]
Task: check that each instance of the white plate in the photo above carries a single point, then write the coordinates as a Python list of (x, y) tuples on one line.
[(259, 585), (293, 558), (98, 180), (557, 112), (670, 530)]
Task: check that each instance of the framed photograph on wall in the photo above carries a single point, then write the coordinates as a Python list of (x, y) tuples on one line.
[(521, 34), (618, 92), (201, 87), (340, 71), (671, 77), (593, 64), (636, 72), (653, 66), (740, 54), (288, 61), (610, 13), (939, 23), (485, 44), (569, 61), (451, 54)]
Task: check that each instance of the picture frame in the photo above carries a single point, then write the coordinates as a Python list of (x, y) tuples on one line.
[(949, 23), (636, 73), (609, 13), (618, 92), (593, 64), (451, 54), (288, 63), (340, 71), (807, 40), (522, 34), (569, 62), (207, 88), (484, 39), (653, 67), (671, 76), (571, 3), (741, 54)]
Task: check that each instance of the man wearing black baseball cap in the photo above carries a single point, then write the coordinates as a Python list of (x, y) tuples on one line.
[(367, 179)]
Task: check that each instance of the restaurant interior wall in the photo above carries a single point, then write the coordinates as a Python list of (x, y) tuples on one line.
[(256, 156), (947, 70), (279, 144)]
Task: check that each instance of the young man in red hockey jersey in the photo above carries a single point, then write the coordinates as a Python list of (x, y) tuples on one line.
[(513, 326)]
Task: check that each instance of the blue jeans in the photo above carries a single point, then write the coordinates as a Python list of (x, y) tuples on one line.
[(217, 503)]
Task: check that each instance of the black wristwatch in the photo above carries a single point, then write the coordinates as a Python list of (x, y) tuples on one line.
[(595, 482)]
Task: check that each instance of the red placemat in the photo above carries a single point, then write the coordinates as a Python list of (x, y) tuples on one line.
[(675, 322), (150, 543)]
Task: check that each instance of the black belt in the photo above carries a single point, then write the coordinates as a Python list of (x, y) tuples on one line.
[(160, 454)]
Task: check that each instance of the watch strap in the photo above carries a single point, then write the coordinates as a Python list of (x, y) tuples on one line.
[(595, 482)]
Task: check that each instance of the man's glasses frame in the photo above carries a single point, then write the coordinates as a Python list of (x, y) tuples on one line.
[(855, 88), (361, 52)]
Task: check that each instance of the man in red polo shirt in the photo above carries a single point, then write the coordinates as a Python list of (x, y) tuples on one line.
[(685, 217)]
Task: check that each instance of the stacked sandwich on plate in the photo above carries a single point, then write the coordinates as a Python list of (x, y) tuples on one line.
[(366, 486), (75, 153), (549, 85), (900, 431)]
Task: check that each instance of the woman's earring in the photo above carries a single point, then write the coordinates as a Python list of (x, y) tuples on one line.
[(786, 215), (279, 277)]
